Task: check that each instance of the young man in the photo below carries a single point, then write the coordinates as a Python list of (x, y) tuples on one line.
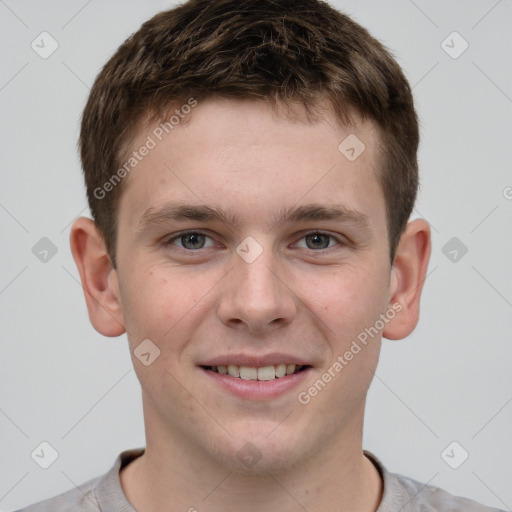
[(251, 169)]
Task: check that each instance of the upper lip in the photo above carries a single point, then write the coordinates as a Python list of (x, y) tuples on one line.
[(255, 361)]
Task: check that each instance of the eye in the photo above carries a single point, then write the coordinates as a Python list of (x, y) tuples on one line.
[(317, 240), (192, 240)]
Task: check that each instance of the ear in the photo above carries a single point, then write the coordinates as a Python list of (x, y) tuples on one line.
[(99, 278), (408, 274)]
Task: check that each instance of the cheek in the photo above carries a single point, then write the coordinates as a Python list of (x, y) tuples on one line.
[(351, 299), (157, 307), (350, 305), (150, 305), (164, 307)]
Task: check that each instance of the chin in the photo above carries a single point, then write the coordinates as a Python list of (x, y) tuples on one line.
[(261, 453), (263, 462)]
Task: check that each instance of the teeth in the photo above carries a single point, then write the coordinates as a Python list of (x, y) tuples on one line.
[(262, 373), (280, 370), (248, 373), (266, 373), (233, 371)]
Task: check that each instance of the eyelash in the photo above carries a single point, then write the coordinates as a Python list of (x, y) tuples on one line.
[(313, 232)]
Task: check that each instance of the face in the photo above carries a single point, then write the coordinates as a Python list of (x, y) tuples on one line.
[(248, 239)]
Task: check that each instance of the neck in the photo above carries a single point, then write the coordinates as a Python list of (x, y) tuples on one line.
[(172, 476)]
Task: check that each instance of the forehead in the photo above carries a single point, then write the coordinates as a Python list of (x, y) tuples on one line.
[(251, 159)]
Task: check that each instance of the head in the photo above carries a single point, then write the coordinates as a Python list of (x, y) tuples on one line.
[(301, 52), (231, 121)]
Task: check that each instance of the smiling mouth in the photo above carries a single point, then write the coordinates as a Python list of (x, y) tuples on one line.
[(271, 372)]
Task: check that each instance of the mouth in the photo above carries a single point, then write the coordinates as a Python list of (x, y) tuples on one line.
[(259, 383), (262, 373)]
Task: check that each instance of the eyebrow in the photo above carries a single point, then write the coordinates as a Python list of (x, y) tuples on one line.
[(154, 217)]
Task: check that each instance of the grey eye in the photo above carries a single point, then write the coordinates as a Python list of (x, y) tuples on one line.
[(191, 241), (317, 241)]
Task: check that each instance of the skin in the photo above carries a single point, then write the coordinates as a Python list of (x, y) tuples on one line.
[(198, 303)]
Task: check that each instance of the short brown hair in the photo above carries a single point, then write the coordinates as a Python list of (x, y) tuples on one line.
[(285, 51)]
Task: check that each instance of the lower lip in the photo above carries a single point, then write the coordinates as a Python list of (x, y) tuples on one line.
[(258, 389)]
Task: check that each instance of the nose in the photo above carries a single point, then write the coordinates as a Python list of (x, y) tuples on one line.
[(256, 296)]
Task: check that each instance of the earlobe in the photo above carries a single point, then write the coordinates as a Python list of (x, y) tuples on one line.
[(408, 274), (99, 278)]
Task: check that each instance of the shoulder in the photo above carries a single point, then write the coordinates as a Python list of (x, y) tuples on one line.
[(408, 495), (419, 496), (101, 493), (81, 499)]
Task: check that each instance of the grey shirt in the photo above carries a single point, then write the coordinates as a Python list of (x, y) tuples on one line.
[(401, 494)]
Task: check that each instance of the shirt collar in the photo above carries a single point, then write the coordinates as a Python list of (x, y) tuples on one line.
[(111, 497)]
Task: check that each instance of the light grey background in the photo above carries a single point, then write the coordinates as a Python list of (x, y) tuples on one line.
[(63, 383)]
